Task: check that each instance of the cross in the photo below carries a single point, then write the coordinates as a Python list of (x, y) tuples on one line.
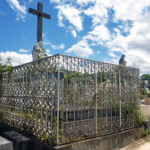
[(40, 15)]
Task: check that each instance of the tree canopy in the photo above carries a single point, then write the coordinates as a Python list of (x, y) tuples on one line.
[(6, 66), (145, 77)]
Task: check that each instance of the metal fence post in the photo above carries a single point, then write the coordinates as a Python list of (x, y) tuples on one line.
[(139, 91), (58, 98), (120, 93), (95, 95)]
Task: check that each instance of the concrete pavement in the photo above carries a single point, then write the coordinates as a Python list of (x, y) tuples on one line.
[(5, 144), (142, 144)]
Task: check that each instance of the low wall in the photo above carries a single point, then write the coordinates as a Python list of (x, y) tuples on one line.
[(109, 142), (145, 109), (85, 129), (147, 100)]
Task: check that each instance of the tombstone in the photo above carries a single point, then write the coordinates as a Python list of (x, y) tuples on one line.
[(20, 142)]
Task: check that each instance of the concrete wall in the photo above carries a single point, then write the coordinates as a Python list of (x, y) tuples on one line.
[(109, 142), (147, 100), (145, 109)]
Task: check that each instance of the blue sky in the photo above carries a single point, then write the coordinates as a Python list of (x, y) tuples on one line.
[(97, 29)]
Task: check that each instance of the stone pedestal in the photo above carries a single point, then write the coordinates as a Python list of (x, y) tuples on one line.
[(147, 100), (20, 142), (5, 144), (147, 123), (145, 109)]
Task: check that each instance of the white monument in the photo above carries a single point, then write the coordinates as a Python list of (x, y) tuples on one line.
[(38, 51)]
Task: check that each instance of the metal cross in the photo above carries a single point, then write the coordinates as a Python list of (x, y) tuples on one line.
[(40, 15)]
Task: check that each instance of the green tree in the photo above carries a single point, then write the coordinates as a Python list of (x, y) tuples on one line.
[(5, 66), (145, 77)]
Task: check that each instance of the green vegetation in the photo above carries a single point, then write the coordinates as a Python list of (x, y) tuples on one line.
[(141, 118), (146, 132), (3, 67), (145, 85), (136, 113), (146, 93), (77, 87), (1, 116), (145, 77)]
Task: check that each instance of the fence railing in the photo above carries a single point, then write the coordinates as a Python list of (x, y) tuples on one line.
[(63, 99)]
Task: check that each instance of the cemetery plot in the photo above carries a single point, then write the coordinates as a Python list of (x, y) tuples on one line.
[(62, 99)]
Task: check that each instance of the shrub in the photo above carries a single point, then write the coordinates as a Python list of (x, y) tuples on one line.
[(146, 132)]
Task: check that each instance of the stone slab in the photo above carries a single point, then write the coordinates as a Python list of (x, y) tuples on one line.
[(5, 144), (20, 142), (108, 142)]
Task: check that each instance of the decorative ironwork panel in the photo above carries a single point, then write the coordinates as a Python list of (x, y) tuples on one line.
[(63, 99), (29, 96)]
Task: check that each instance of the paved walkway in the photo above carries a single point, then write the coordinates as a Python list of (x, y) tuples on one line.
[(142, 144), (5, 144)]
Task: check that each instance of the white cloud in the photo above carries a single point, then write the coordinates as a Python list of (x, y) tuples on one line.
[(139, 36), (117, 44), (135, 45), (55, 1), (139, 59), (99, 34), (84, 2), (16, 58), (71, 14), (81, 49), (117, 31), (138, 45), (129, 10), (74, 34), (43, 35), (23, 51), (48, 52), (98, 13), (61, 46), (111, 54), (125, 10), (19, 9), (129, 35)]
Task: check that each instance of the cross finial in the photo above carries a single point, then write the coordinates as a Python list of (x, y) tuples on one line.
[(40, 15)]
